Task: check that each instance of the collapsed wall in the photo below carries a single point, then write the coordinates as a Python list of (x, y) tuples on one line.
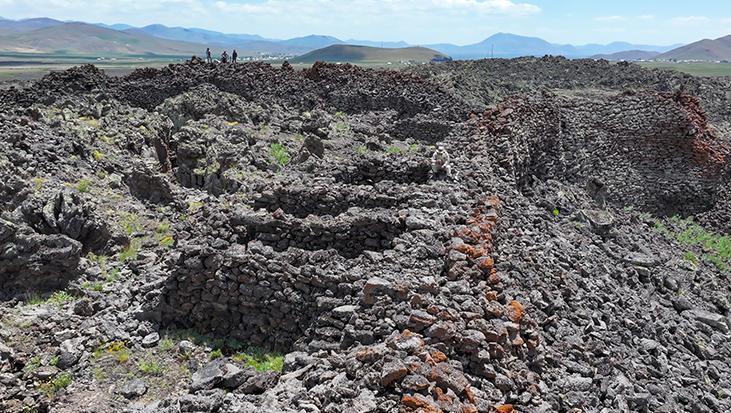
[(651, 151)]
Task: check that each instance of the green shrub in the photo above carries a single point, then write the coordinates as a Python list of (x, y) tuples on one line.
[(107, 139), (32, 365), (34, 299), (60, 298), (112, 275), (97, 286), (261, 359), (167, 241), (687, 232), (116, 349), (163, 228), (280, 154), (131, 223), (691, 258), (150, 368), (394, 150), (342, 127), (131, 251), (61, 381), (216, 354), (166, 344), (83, 186), (38, 183), (195, 206), (98, 155)]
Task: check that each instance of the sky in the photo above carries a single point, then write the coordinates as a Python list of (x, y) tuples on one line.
[(656, 22)]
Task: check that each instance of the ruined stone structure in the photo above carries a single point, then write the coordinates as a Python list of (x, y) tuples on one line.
[(294, 211)]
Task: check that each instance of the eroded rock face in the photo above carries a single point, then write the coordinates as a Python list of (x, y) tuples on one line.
[(30, 261), (197, 212), (64, 212)]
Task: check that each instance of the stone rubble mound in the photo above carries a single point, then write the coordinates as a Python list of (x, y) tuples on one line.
[(247, 238)]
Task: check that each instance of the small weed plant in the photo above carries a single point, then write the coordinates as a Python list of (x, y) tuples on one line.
[(150, 368), (280, 154), (131, 251), (84, 185), (61, 381)]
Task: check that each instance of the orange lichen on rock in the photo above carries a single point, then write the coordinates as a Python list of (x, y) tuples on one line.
[(487, 264), (441, 396), (419, 403), (477, 236), (515, 312), (438, 356), (469, 250), (505, 408)]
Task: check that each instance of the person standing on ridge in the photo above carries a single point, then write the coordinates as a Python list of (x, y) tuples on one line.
[(208, 55), (234, 56), (224, 57)]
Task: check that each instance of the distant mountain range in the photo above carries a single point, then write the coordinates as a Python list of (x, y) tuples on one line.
[(86, 39), (706, 49), (629, 55), (44, 35), (511, 45), (362, 54)]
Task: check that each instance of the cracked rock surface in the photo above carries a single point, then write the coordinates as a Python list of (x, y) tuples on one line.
[(247, 238)]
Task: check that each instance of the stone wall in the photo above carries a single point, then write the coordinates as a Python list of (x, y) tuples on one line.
[(653, 151), (253, 293)]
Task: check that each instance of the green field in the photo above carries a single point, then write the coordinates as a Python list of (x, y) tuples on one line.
[(696, 69), (25, 66)]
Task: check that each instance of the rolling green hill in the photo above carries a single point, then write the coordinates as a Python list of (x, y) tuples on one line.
[(366, 54)]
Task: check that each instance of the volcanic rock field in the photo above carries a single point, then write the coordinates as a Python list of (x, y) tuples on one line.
[(250, 238)]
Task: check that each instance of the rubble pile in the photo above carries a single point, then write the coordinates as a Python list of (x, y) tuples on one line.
[(220, 238)]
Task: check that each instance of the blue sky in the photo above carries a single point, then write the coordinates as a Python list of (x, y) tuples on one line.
[(415, 21)]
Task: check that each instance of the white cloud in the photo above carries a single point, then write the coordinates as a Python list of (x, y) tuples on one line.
[(689, 20), (647, 17), (490, 6), (610, 19), (355, 8), (245, 7)]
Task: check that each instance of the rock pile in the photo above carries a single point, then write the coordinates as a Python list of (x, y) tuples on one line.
[(252, 238)]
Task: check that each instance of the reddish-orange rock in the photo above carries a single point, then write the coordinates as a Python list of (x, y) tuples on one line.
[(419, 403), (469, 394), (439, 357), (515, 312)]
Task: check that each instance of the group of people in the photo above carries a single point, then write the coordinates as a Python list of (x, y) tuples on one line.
[(224, 56)]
